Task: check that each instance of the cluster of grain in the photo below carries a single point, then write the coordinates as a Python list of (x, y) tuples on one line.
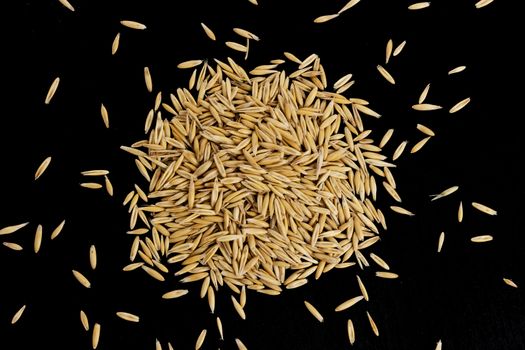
[(257, 180)]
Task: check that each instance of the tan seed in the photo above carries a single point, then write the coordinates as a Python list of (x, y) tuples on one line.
[(342, 81), (425, 130), (93, 257), (236, 46), (419, 145), (219, 328), (132, 266), (105, 116), (292, 57), (386, 138), (426, 107), (91, 185), (191, 83), (362, 288), (483, 3), (13, 246), (399, 150), (482, 239), (386, 274), (484, 209), (211, 299), (153, 273), (372, 324), (126, 316), (441, 241), (67, 5), (314, 311), (38, 239), (95, 338), (246, 34), (242, 297), (419, 5), (133, 25), (424, 94), (58, 229), (84, 320), (399, 48), (81, 279), (115, 44), (349, 5), (189, 64), (460, 105), (18, 314), (138, 231), (379, 261), (240, 344), (457, 70), (52, 90), (109, 185), (129, 197), (367, 111), (386, 74), (349, 303), (510, 282), (325, 18), (175, 294), (444, 193), (351, 332), (388, 50), (200, 339), (148, 80), (238, 308), (42, 168), (11, 229), (209, 33), (401, 210), (98, 172)]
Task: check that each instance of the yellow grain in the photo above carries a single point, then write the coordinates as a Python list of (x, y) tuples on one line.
[(314, 311), (13, 228), (133, 24), (58, 229), (18, 314), (208, 32), (52, 90), (325, 18), (115, 44)]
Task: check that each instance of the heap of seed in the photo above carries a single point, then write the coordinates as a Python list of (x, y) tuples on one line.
[(256, 180)]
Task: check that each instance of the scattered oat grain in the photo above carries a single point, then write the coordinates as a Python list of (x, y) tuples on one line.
[(42, 168), (314, 311), (52, 90)]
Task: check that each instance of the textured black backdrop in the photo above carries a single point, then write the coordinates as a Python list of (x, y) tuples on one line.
[(457, 295)]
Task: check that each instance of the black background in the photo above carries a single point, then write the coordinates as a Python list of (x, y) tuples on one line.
[(458, 295)]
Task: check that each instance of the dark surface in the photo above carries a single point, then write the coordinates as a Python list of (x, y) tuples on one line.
[(458, 295)]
